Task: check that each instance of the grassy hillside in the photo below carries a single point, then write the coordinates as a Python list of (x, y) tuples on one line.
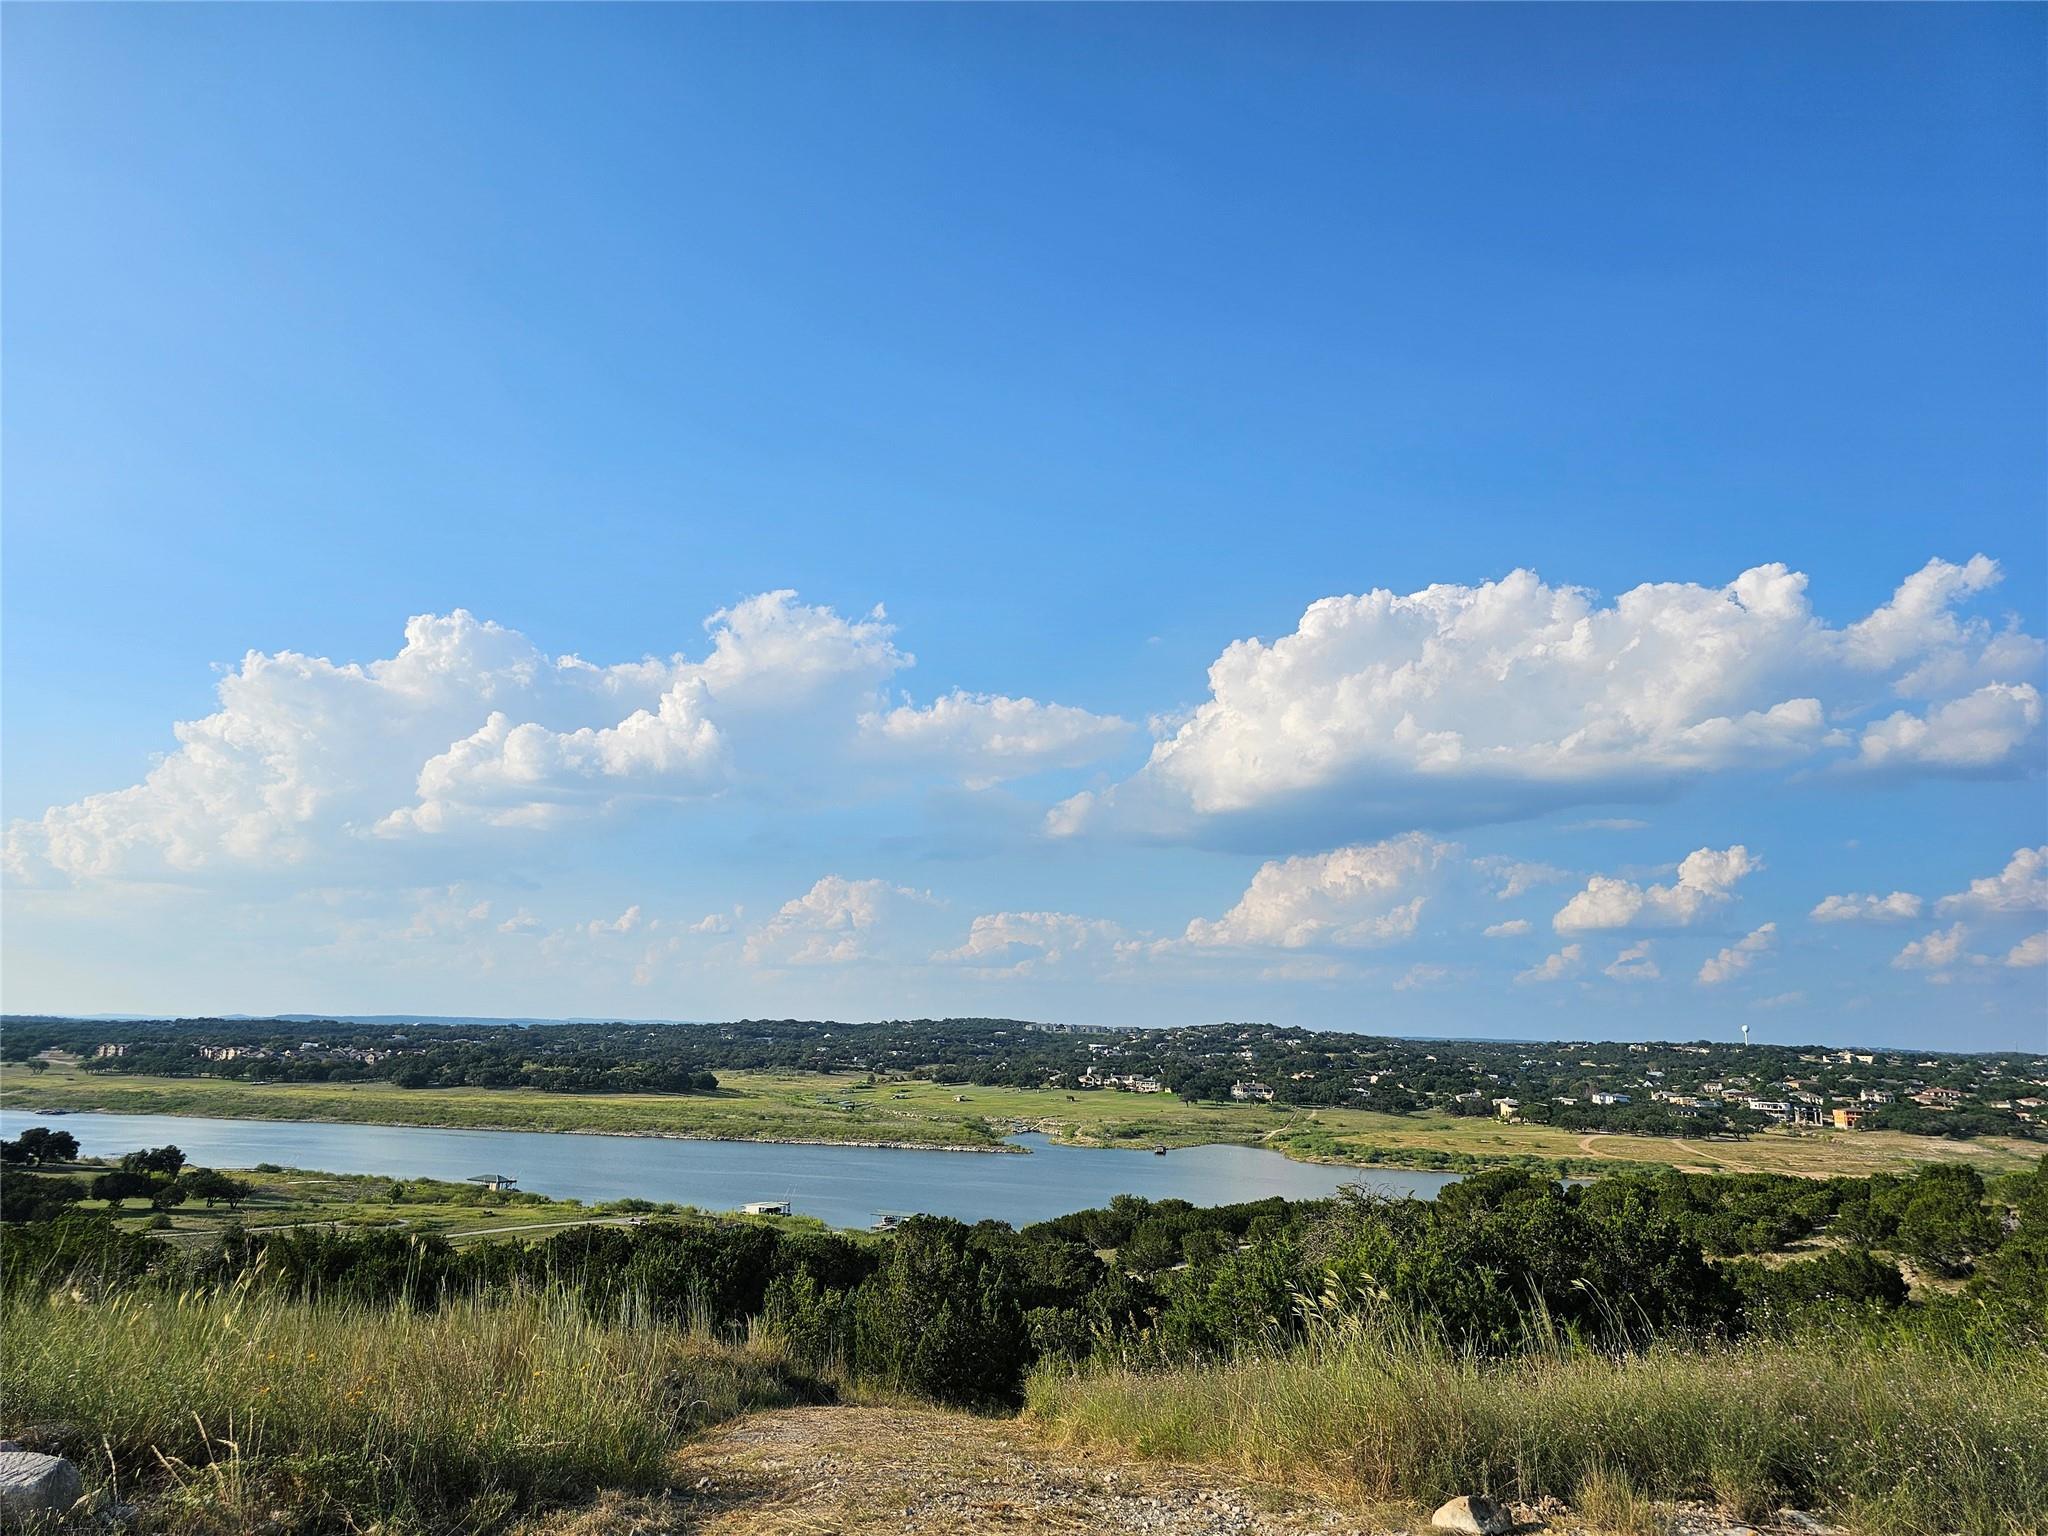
[(224, 1407), (821, 1107), (1518, 1335), (1905, 1439), (243, 1410)]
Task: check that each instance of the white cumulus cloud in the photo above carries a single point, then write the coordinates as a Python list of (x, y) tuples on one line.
[(2022, 886), (830, 924), (1021, 943), (1564, 964), (1984, 729), (1739, 956), (472, 726), (1899, 907), (1516, 877), (1706, 878), (1353, 897), (2030, 951), (985, 738), (1456, 703), (1938, 951), (1514, 928), (1638, 962)]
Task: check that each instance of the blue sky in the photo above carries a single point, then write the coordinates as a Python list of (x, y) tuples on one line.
[(1101, 347)]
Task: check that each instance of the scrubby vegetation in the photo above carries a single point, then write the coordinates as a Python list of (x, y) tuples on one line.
[(1871, 1346), (1888, 1435)]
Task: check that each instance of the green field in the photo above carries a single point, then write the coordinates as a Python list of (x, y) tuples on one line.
[(291, 1197), (460, 1212), (851, 1109)]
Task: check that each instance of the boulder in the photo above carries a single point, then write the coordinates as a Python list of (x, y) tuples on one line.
[(1473, 1514), (34, 1484), (1799, 1520)]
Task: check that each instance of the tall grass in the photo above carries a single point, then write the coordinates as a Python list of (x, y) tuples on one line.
[(1893, 1437), (346, 1416)]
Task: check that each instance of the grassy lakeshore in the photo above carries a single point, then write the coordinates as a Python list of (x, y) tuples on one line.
[(297, 1197), (815, 1107)]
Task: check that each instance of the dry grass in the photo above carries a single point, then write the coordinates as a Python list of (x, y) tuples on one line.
[(223, 1406), (1608, 1500), (1897, 1439)]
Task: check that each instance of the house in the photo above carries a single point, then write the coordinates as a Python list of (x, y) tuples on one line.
[(1610, 1098), (1847, 1119), (1131, 1082), (101, 1053), (1874, 1096), (497, 1182), (1507, 1109), (1246, 1092), (766, 1208)]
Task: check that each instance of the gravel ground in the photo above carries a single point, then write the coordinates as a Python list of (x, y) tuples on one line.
[(856, 1471), (920, 1472)]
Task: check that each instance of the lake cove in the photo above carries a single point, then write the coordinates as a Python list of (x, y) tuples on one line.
[(844, 1186)]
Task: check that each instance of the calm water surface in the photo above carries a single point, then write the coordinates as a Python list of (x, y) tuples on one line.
[(845, 1186)]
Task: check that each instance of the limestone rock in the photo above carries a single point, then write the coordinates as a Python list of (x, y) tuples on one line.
[(35, 1484), (1473, 1514)]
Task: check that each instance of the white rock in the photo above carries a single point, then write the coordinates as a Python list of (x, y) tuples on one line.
[(34, 1484), (1473, 1514)]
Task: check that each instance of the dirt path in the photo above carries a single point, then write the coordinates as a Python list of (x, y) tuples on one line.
[(925, 1472), (814, 1471), (1687, 1150)]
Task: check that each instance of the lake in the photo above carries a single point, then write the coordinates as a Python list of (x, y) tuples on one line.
[(844, 1186)]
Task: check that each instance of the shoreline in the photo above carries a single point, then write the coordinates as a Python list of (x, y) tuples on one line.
[(999, 1149), (60, 1111)]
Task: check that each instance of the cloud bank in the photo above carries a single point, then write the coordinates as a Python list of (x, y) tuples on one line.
[(1457, 704), (471, 726)]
